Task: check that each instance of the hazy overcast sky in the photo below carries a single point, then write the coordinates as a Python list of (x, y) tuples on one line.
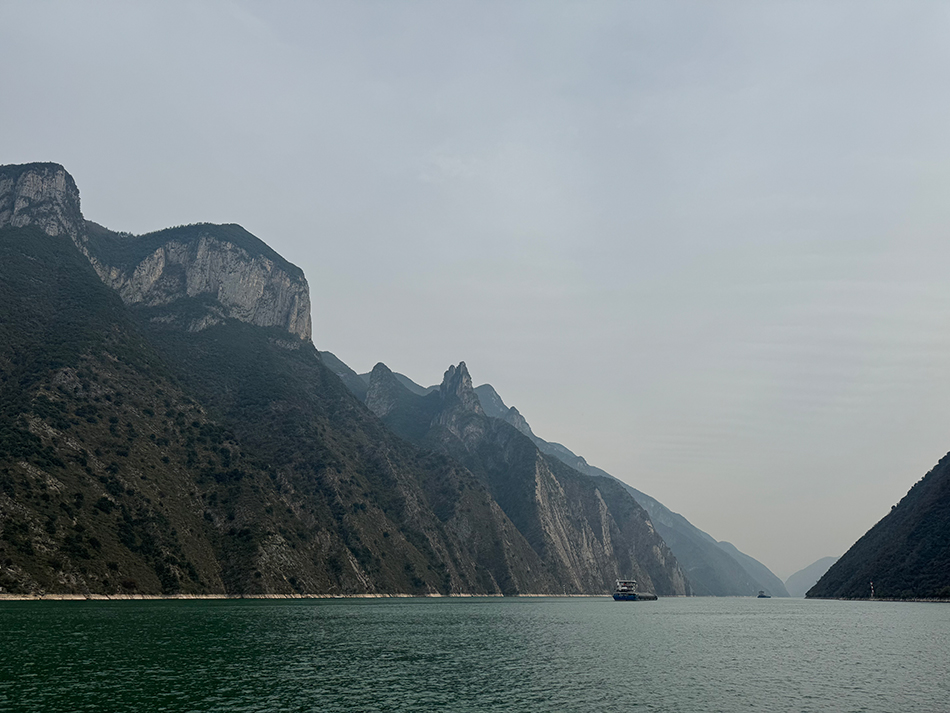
[(703, 244)]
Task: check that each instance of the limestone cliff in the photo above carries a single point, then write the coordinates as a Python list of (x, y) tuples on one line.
[(40, 194), (201, 261), (195, 276)]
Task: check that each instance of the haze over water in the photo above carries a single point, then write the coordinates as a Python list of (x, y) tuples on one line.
[(585, 654)]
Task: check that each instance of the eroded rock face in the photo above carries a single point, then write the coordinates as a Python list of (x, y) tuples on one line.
[(244, 285), (40, 194), (382, 394), (585, 531), (250, 288), (456, 390)]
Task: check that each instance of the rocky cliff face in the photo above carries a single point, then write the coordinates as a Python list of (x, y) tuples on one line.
[(382, 396), (244, 286), (713, 568), (40, 194), (205, 273), (585, 531), (456, 391)]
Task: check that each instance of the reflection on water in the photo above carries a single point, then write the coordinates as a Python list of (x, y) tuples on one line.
[(697, 654)]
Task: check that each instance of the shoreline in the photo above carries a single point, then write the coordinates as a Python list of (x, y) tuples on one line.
[(919, 600), (4, 597)]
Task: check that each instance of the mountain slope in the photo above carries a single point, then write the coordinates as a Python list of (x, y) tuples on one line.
[(762, 574), (713, 568), (906, 555), (354, 382), (807, 577), (94, 498), (586, 532), (145, 448)]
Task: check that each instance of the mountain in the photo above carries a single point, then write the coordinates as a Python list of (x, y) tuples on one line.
[(167, 426), (411, 385), (354, 382), (806, 578), (713, 568), (41, 195), (906, 555), (762, 574), (586, 532)]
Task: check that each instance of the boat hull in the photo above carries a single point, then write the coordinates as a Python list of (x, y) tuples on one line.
[(632, 597)]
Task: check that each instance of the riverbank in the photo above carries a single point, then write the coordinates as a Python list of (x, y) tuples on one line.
[(120, 597), (877, 599)]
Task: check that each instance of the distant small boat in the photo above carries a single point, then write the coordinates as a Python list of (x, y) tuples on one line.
[(626, 591), (763, 595)]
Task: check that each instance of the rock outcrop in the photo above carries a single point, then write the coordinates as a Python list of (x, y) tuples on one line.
[(382, 396), (40, 194), (196, 262), (220, 271)]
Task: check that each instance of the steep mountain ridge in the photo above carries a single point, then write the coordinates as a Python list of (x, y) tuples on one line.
[(586, 531), (139, 456), (405, 381), (714, 568)]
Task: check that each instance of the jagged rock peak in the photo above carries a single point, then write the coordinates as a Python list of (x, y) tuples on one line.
[(381, 396), (40, 194), (456, 389)]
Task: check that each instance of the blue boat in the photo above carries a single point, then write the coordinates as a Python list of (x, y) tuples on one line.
[(626, 591)]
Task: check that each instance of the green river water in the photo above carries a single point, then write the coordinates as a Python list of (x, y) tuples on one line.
[(531, 654)]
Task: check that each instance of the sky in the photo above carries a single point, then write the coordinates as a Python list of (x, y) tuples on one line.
[(702, 244)]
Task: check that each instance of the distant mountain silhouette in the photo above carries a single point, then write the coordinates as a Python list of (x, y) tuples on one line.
[(806, 578), (714, 568)]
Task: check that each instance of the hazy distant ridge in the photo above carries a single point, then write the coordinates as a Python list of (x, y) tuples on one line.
[(806, 578), (714, 568)]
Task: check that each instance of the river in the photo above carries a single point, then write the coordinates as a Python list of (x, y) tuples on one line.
[(479, 654)]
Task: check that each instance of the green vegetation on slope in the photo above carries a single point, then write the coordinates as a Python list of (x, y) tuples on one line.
[(126, 251), (230, 462), (906, 555)]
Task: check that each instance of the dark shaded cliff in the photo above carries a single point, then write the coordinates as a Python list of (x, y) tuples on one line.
[(906, 555)]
